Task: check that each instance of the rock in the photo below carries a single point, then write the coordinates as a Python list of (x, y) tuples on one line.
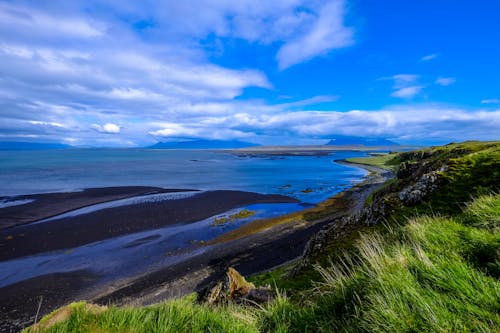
[(260, 295), (407, 169), (414, 194), (235, 288), (238, 285)]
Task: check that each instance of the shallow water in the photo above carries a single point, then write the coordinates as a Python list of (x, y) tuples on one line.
[(133, 254)]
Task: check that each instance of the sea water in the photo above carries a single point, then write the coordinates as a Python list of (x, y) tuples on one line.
[(307, 178)]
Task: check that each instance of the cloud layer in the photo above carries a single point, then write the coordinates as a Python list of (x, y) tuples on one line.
[(125, 73)]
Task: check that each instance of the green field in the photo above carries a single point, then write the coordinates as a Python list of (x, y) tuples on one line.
[(386, 161)]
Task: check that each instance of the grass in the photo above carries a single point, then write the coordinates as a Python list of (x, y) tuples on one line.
[(182, 315), (426, 275), (386, 161)]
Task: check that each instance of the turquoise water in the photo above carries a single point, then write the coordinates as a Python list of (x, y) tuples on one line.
[(307, 178)]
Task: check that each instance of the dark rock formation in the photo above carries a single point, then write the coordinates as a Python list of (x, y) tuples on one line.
[(235, 288), (418, 176)]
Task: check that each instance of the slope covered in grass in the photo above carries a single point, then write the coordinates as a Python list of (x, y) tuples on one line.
[(384, 161), (431, 274)]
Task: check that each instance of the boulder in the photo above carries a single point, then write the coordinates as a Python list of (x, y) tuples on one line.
[(235, 288)]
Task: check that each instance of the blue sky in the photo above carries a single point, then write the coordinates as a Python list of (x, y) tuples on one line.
[(130, 73)]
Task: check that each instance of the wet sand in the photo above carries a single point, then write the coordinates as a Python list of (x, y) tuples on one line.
[(51, 204), (70, 232)]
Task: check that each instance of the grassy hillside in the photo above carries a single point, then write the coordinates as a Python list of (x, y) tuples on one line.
[(384, 161), (427, 265)]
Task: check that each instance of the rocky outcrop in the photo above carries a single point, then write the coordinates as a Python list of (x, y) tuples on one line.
[(415, 193), (418, 176), (236, 289)]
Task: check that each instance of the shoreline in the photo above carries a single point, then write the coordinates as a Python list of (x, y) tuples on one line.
[(250, 254)]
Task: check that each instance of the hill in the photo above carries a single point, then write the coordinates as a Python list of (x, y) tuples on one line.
[(203, 144), (342, 140)]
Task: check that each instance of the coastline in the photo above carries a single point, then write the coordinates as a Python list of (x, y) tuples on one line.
[(252, 253)]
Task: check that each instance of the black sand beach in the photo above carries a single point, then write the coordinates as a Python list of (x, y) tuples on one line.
[(66, 233), (250, 254), (51, 204)]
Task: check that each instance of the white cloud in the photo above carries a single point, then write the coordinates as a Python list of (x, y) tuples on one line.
[(445, 81), (429, 57), (490, 101), (401, 79), (108, 128), (405, 85), (46, 123), (204, 130), (413, 123), (326, 34), (407, 92), (27, 22), (274, 124)]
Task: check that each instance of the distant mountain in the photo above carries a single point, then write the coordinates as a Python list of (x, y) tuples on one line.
[(343, 140), (14, 145), (203, 144)]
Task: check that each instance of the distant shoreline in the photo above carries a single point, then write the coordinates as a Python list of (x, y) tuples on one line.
[(313, 150)]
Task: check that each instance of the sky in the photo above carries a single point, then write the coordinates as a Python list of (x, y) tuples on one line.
[(122, 73)]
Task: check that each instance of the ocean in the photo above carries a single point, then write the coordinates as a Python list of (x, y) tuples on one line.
[(307, 178)]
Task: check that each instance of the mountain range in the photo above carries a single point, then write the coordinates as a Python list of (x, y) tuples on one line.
[(203, 144)]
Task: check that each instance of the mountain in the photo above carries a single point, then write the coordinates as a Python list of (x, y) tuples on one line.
[(344, 140), (203, 144), (14, 145)]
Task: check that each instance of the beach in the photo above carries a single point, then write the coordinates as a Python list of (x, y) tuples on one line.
[(72, 231), (184, 270)]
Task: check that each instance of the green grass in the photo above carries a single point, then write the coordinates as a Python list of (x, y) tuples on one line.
[(468, 175), (176, 316), (426, 275), (386, 161)]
